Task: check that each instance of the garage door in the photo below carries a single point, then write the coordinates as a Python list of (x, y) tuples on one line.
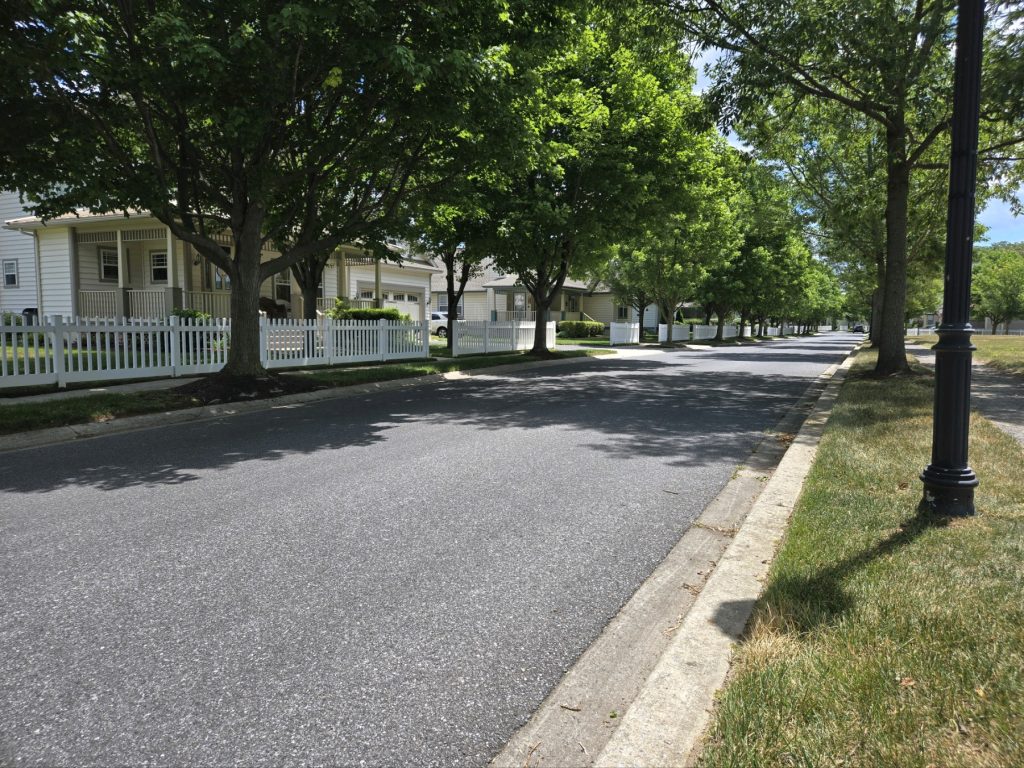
[(410, 304)]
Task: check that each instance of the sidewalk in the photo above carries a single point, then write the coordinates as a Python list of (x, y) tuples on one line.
[(998, 396)]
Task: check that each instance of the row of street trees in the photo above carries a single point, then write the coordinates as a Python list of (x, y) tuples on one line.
[(735, 246), (853, 101)]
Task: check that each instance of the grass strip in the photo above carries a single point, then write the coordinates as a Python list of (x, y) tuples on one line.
[(23, 417), (885, 639), (1005, 353)]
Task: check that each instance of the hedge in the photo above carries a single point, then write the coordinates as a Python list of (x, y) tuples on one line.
[(580, 329), (340, 312)]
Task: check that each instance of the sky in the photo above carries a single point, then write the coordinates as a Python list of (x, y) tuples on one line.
[(1002, 225)]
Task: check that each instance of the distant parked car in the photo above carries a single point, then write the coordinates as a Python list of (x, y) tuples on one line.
[(858, 328), (439, 324)]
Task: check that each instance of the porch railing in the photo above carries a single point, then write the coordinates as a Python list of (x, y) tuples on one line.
[(213, 303), (149, 305), (97, 303), (503, 316)]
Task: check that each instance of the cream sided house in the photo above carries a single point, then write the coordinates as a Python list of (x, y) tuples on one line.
[(494, 295), (127, 264)]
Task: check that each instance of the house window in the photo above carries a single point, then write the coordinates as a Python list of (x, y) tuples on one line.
[(366, 294), (108, 265), (399, 297), (158, 266), (11, 274), (221, 280), (412, 298), (574, 303), (283, 287), (622, 312)]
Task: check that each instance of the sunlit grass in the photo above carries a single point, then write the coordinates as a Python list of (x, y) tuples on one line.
[(885, 639)]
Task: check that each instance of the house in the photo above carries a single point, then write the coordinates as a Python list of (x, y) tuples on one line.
[(128, 264), (494, 295), (18, 289)]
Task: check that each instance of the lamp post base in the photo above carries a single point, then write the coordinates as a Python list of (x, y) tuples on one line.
[(948, 493)]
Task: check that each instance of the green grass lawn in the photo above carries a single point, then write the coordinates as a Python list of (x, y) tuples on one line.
[(22, 417), (590, 341), (884, 639), (1005, 353)]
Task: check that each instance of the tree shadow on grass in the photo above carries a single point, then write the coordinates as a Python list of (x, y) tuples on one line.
[(802, 603)]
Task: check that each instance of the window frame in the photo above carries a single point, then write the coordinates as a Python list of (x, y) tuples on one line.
[(153, 267), (101, 253), (3, 267)]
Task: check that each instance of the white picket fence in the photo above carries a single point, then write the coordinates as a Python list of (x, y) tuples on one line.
[(53, 351), (474, 337)]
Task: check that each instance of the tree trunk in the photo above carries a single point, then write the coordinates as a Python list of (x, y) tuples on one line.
[(743, 324), (540, 332), (892, 352), (309, 297), (720, 332), (244, 350), (877, 300)]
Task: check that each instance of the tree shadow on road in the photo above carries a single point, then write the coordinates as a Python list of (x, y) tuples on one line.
[(624, 409)]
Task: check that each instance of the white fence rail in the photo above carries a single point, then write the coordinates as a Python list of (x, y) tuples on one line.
[(624, 333), (53, 351), (473, 337)]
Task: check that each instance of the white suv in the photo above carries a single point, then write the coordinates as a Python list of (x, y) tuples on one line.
[(439, 324)]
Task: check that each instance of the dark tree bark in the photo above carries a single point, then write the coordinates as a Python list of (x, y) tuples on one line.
[(892, 353)]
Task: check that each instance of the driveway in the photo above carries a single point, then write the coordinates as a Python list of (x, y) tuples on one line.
[(397, 578)]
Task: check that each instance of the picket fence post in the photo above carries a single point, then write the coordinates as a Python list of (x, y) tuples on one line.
[(455, 339), (264, 341), (328, 332), (175, 339), (382, 339), (487, 337), (426, 338), (58, 350)]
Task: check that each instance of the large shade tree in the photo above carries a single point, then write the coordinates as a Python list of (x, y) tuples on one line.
[(290, 126), (612, 111)]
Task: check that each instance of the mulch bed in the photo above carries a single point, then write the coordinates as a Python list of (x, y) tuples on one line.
[(219, 388)]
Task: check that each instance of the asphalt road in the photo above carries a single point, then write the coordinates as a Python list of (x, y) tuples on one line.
[(395, 579)]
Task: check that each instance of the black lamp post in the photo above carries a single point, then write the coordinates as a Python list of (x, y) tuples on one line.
[(949, 482)]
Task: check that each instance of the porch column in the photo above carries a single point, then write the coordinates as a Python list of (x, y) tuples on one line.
[(342, 277), (377, 300), (123, 304), (172, 294), (76, 283)]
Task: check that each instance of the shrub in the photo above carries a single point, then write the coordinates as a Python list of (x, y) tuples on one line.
[(190, 314), (340, 312), (580, 329), (10, 318)]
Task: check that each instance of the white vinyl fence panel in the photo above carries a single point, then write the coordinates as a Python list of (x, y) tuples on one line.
[(680, 332), (624, 333), (478, 337)]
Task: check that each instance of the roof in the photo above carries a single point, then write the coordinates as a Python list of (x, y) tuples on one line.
[(509, 281), (492, 277), (80, 215)]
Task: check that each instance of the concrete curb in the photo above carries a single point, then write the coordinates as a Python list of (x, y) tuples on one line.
[(43, 437), (664, 724)]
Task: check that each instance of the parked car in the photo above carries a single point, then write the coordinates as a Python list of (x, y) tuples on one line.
[(439, 324), (858, 328)]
